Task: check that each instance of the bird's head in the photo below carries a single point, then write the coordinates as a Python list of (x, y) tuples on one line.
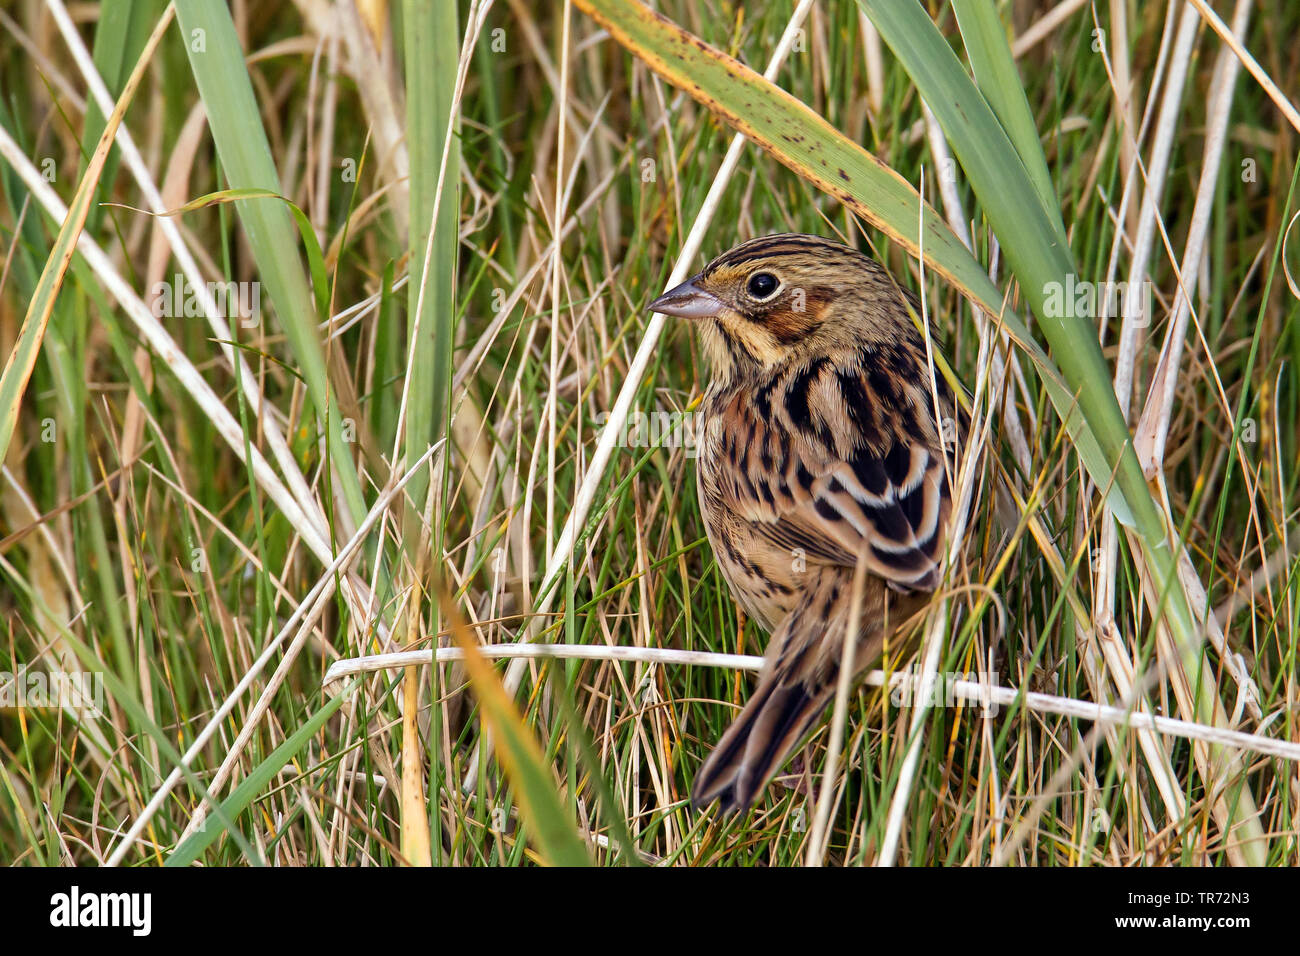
[(789, 297)]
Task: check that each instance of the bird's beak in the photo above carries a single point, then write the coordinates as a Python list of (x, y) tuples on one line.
[(688, 301)]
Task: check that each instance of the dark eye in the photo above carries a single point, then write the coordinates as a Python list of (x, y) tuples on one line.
[(762, 284)]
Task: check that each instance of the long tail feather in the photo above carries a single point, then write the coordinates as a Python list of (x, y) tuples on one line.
[(794, 688), (759, 741), (797, 683)]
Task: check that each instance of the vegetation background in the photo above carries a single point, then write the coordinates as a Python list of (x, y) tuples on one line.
[(452, 216)]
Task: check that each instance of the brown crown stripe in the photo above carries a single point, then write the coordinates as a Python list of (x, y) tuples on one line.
[(776, 246)]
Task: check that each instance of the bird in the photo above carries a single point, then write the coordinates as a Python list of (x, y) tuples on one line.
[(826, 443)]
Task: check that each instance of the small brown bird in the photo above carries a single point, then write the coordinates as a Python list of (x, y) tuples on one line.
[(819, 449)]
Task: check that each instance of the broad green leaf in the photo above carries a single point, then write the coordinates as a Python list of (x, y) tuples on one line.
[(999, 82), (432, 56), (217, 62)]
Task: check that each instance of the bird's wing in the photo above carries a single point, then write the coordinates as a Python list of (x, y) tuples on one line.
[(883, 493)]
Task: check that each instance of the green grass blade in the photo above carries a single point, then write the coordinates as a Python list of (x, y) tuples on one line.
[(255, 782), (432, 61), (999, 82), (217, 62), (432, 55), (18, 368)]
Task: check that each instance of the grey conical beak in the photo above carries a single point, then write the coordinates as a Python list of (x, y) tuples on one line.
[(688, 301)]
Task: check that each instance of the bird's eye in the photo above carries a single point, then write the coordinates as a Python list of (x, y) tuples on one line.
[(763, 284)]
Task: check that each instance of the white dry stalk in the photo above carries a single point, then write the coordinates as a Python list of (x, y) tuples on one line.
[(1120, 75), (932, 650), (325, 147), (1279, 98), (1130, 140), (304, 618), (1153, 425), (966, 690), (1156, 170), (586, 494), (582, 652), (873, 55)]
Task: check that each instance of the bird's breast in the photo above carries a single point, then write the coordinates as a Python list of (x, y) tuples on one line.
[(734, 485)]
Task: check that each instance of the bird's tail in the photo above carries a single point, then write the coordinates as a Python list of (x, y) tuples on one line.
[(758, 742), (798, 680)]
